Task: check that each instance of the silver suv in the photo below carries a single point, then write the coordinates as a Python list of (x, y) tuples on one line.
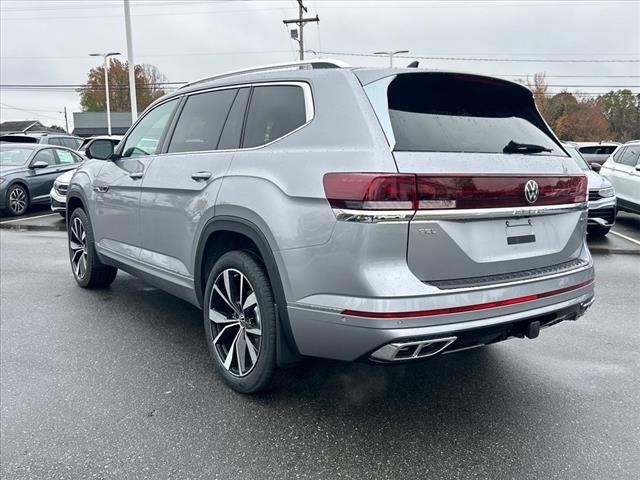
[(314, 209)]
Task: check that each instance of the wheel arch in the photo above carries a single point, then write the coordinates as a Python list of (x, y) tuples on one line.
[(219, 227)]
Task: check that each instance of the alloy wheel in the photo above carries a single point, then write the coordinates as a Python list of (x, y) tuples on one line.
[(18, 200), (235, 323), (78, 246)]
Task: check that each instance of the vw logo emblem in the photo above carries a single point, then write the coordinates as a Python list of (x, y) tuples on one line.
[(531, 191)]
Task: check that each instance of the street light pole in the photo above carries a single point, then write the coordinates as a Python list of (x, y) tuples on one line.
[(390, 55), (132, 66), (105, 57)]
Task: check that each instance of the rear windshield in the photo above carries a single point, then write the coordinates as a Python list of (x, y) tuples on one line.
[(439, 112), (598, 150)]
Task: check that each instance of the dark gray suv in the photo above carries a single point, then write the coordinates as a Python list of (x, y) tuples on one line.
[(313, 209)]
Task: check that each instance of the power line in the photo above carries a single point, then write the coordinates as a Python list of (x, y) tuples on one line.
[(485, 59), (301, 22)]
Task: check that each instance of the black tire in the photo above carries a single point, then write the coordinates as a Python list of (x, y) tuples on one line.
[(597, 230), (241, 268), (87, 269), (17, 200)]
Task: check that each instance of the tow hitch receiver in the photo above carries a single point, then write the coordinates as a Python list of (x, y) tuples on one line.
[(533, 330)]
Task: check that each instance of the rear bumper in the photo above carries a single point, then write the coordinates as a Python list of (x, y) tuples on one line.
[(328, 333)]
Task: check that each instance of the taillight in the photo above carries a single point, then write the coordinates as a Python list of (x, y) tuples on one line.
[(378, 191), (370, 191)]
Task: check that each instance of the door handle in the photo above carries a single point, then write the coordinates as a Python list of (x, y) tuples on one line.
[(201, 176), (101, 188), (136, 175)]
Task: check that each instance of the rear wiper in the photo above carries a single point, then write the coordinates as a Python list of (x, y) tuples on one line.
[(516, 147)]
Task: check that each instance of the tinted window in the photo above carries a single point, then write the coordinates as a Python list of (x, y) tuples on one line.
[(463, 113), (630, 156), (71, 143), (144, 138), (232, 131), (45, 155), (65, 157), (201, 121), (55, 141), (274, 111), (598, 150)]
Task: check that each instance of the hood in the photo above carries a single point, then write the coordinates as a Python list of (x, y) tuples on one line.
[(597, 181), (65, 178), (9, 170)]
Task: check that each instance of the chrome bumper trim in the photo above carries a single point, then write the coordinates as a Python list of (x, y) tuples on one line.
[(479, 213)]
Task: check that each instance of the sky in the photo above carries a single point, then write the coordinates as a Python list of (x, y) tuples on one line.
[(49, 41)]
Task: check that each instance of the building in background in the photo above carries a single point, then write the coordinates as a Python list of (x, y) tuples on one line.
[(89, 124), (23, 126)]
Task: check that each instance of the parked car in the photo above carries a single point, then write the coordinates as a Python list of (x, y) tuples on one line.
[(60, 187), (61, 140), (27, 172), (431, 212), (602, 197), (114, 139), (622, 169), (596, 152)]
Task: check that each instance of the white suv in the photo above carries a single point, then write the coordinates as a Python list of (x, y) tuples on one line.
[(622, 169)]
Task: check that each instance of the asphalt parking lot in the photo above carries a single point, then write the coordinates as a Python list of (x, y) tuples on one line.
[(117, 384)]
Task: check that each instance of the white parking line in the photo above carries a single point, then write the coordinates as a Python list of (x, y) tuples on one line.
[(632, 240), (27, 218)]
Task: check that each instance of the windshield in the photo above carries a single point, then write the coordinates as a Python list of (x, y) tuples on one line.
[(14, 156), (579, 159), (436, 112)]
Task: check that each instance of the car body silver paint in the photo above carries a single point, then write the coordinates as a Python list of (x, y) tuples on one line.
[(153, 227)]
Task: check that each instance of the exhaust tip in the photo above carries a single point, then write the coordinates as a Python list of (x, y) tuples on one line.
[(402, 351)]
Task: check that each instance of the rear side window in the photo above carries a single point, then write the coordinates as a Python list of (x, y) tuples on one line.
[(274, 111), (437, 112), (200, 124), (71, 143), (55, 141)]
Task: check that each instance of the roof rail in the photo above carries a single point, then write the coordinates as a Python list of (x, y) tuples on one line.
[(304, 64)]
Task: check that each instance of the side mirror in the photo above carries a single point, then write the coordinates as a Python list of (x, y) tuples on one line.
[(595, 166), (100, 149), (39, 164)]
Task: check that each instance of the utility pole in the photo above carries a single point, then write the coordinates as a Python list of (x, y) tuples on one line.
[(132, 66), (390, 54), (301, 21), (105, 57), (66, 120)]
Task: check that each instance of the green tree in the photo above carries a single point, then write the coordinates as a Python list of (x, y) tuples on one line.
[(622, 110), (148, 87)]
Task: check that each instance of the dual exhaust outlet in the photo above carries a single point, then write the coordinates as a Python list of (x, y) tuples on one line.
[(395, 352)]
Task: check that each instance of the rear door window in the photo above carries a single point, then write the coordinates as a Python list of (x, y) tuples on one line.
[(274, 111), (65, 157), (201, 120), (461, 113)]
